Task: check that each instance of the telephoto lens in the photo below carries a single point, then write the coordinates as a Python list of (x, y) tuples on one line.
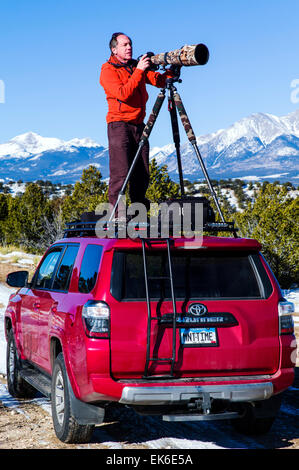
[(197, 54)]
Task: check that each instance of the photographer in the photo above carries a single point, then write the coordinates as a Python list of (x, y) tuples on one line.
[(124, 81)]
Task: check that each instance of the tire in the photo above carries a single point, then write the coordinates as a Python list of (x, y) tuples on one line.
[(65, 425), (17, 386), (258, 418)]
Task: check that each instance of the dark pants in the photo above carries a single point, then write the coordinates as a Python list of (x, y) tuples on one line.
[(123, 140)]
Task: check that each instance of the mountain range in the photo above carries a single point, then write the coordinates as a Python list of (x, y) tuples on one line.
[(259, 147)]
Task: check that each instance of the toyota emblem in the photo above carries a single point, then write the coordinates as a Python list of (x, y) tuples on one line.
[(197, 309)]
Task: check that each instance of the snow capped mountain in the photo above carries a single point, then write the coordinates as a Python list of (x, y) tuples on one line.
[(265, 127), (261, 146), (30, 157), (24, 145)]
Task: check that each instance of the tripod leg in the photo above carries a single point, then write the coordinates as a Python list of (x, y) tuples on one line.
[(125, 183), (176, 138), (191, 136), (145, 135), (153, 116)]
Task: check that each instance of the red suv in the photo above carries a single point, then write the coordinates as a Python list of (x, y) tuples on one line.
[(184, 329)]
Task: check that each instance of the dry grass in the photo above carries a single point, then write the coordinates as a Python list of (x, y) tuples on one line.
[(6, 268), (4, 250), (10, 263)]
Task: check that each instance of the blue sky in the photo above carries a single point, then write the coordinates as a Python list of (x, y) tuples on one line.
[(51, 52)]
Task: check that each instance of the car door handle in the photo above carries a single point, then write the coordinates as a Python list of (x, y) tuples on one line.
[(71, 317), (36, 305), (54, 307)]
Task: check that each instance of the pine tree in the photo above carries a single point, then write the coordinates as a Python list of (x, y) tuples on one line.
[(3, 213), (161, 187), (25, 222), (87, 194), (273, 220)]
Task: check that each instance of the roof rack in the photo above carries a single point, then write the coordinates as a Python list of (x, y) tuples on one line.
[(79, 229), (88, 228)]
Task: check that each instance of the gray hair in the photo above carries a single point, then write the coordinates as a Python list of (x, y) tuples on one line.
[(113, 40)]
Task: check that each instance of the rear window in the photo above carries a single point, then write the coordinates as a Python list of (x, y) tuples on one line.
[(203, 275)]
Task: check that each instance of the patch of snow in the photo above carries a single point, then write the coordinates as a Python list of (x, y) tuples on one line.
[(289, 410), (7, 399), (292, 295), (14, 253), (230, 195), (25, 261), (173, 443), (18, 258), (9, 402), (44, 403), (113, 445)]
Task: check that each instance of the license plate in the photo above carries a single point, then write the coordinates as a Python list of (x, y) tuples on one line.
[(199, 337)]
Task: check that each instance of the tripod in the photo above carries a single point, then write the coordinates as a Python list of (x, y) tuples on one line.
[(174, 104)]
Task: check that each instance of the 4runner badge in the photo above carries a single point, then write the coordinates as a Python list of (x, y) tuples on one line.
[(197, 309)]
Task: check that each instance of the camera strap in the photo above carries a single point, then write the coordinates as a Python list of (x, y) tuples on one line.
[(129, 66)]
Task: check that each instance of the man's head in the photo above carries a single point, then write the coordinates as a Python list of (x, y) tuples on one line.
[(121, 47)]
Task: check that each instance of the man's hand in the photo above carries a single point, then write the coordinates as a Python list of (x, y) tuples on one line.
[(144, 62)]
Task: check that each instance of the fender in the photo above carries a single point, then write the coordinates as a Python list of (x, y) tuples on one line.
[(12, 314)]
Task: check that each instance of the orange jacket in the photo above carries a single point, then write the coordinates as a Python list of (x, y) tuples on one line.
[(125, 89)]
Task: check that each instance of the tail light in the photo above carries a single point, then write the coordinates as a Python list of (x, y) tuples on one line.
[(96, 319), (286, 322)]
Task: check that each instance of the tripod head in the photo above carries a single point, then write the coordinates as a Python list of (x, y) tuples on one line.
[(176, 70)]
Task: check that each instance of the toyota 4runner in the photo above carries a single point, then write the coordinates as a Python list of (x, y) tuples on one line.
[(172, 327)]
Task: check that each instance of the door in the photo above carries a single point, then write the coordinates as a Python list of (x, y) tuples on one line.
[(29, 323), (35, 300), (51, 299)]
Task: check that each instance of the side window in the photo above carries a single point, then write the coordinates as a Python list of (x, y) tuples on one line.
[(43, 279), (63, 275), (89, 268)]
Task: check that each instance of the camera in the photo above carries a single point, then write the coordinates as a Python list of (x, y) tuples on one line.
[(152, 66)]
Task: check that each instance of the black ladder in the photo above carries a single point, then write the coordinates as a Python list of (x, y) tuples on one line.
[(149, 359)]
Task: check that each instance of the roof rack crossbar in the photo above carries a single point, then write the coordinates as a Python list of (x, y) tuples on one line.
[(77, 228)]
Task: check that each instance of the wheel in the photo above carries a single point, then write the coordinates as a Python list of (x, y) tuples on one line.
[(258, 418), (66, 427), (16, 385)]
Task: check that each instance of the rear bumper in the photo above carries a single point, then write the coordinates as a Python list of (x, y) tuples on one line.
[(168, 395), (143, 392)]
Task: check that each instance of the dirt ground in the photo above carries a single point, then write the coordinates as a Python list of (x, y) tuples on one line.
[(30, 427)]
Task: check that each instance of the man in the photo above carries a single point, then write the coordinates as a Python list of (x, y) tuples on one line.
[(124, 81)]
